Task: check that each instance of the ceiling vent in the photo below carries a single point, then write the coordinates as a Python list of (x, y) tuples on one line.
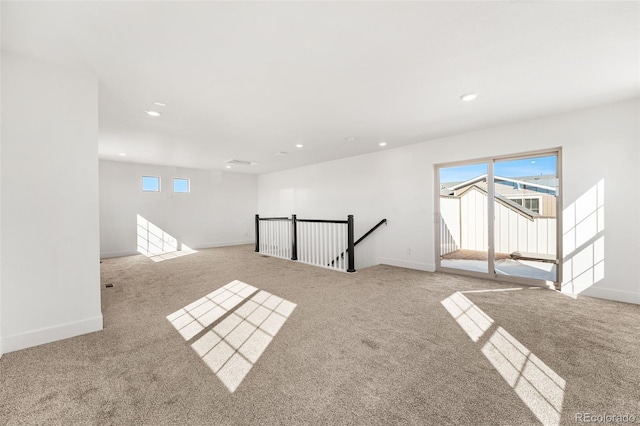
[(241, 163)]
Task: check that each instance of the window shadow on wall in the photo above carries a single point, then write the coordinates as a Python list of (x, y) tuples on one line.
[(156, 244), (583, 241)]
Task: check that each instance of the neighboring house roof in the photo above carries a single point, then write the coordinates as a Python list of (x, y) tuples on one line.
[(520, 182), (504, 201), (548, 180)]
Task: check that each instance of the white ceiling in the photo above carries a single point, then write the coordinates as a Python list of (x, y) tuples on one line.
[(246, 80)]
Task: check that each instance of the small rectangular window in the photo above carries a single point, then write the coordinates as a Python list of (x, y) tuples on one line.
[(150, 184), (532, 204), (180, 185)]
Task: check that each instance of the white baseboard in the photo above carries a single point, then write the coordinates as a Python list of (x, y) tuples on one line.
[(612, 294), (223, 244), (117, 254), (196, 247), (428, 267), (50, 334)]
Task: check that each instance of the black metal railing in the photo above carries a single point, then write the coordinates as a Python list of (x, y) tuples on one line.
[(314, 241), (369, 232)]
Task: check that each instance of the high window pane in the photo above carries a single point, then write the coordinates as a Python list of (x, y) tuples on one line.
[(150, 184), (180, 185)]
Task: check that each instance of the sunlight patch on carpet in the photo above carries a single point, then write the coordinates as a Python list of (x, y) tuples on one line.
[(232, 346), (468, 316), (195, 317), (539, 387)]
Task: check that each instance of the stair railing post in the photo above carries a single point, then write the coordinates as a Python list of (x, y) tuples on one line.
[(350, 248), (294, 241), (257, 233)]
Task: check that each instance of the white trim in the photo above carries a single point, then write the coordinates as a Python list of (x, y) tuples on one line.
[(117, 254), (51, 334), (223, 244), (428, 267), (108, 255), (611, 294)]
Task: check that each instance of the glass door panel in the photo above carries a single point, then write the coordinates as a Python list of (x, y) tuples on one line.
[(525, 221), (463, 224)]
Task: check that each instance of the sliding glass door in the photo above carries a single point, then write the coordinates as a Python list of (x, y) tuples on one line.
[(464, 231), (525, 225), (498, 218)]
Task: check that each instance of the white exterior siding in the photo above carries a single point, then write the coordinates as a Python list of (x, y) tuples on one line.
[(449, 224), (513, 231)]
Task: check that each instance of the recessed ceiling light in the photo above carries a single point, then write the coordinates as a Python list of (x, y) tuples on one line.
[(228, 167), (122, 154), (299, 145), (382, 144), (351, 139), (468, 97), (162, 104), (153, 113)]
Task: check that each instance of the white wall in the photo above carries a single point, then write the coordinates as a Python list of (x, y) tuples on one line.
[(49, 213), (597, 143), (1, 351), (218, 211)]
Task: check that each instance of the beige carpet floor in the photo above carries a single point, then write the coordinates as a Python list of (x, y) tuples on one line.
[(384, 346)]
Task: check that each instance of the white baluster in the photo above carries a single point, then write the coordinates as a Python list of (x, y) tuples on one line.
[(335, 245), (279, 227), (309, 242), (340, 238), (326, 244), (282, 239), (306, 242), (315, 243), (270, 248), (301, 241), (320, 253), (343, 241), (309, 239), (265, 236), (325, 226), (288, 240)]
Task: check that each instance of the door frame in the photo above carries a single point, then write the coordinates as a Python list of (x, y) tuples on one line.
[(491, 273)]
